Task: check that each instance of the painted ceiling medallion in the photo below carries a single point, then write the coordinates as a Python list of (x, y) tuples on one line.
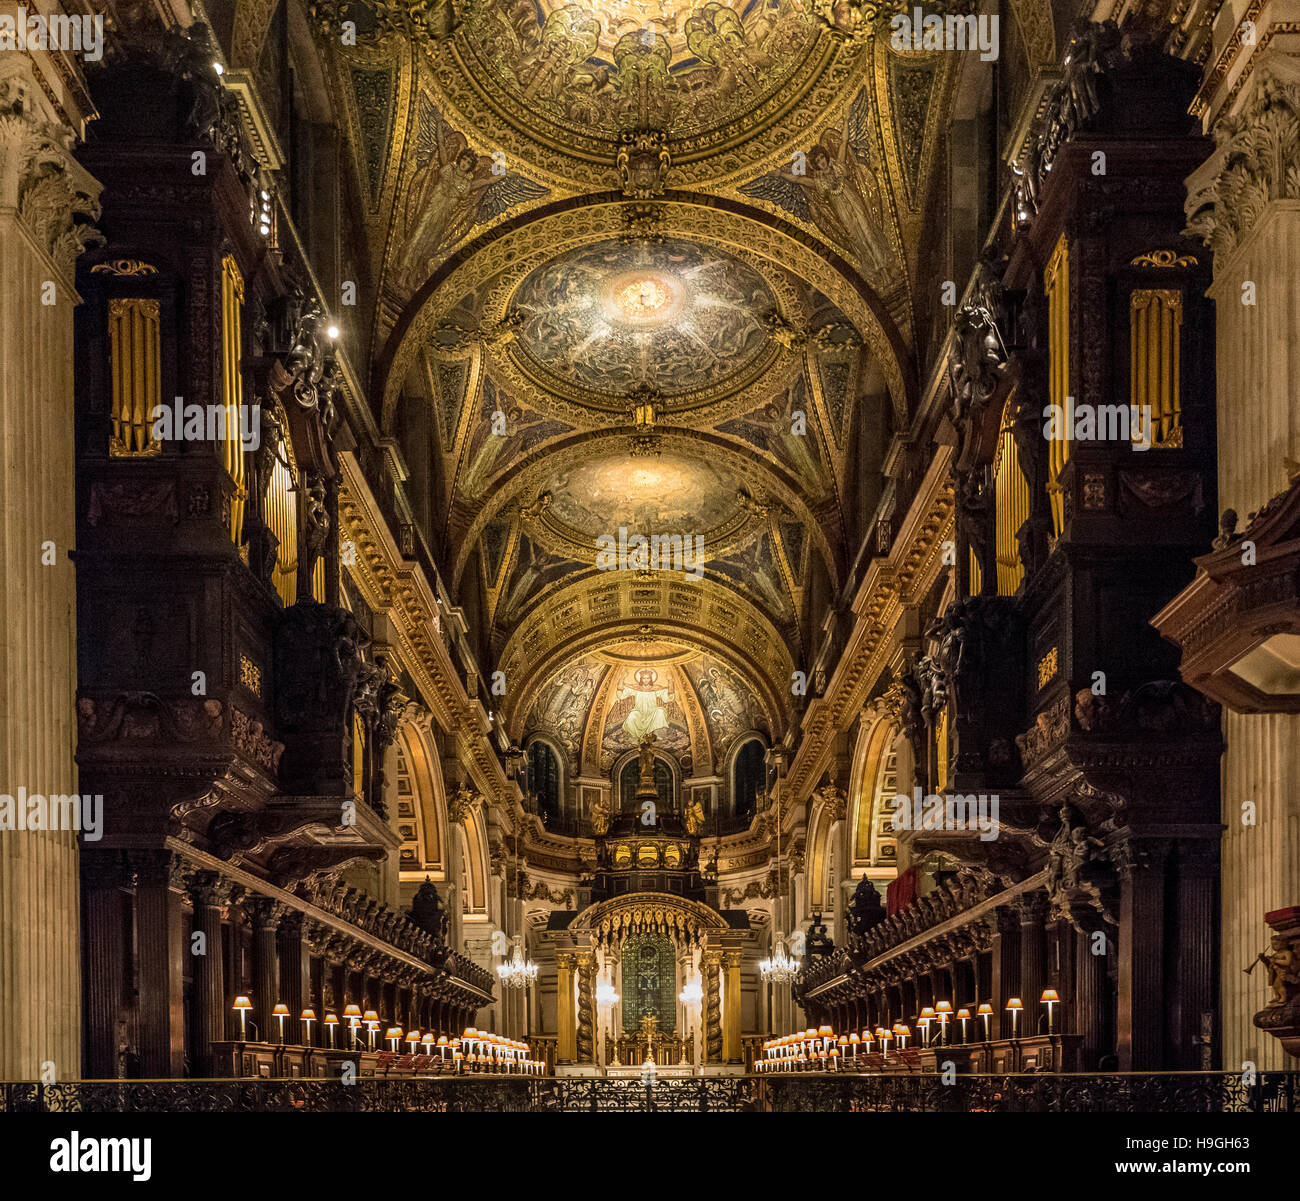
[(608, 65), (616, 317)]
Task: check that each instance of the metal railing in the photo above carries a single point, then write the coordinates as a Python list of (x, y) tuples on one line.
[(1155, 1092)]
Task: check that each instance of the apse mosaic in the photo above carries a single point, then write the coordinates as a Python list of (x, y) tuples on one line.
[(673, 316), (645, 701), (609, 65)]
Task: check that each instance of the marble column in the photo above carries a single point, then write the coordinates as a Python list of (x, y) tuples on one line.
[(1245, 204), (731, 1049), (41, 189), (566, 1047)]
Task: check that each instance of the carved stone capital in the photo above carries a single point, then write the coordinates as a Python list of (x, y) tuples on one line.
[(38, 175), (1257, 160)]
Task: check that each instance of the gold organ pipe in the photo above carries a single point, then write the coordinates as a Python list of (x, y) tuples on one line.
[(1056, 284), (1011, 509), (135, 371), (232, 302), (1155, 336)]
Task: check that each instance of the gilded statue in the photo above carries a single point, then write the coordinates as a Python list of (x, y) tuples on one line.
[(694, 817), (600, 817), (1279, 962)]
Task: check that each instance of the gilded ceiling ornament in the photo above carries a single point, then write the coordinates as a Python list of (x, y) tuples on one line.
[(643, 162)]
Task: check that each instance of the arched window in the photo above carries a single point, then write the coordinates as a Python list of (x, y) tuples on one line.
[(630, 777), (748, 777), (544, 779)]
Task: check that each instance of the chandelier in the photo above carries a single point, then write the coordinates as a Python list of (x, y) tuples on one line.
[(606, 995), (782, 967), (517, 972)]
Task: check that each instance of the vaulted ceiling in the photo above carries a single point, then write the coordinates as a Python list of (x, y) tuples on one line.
[(648, 265)]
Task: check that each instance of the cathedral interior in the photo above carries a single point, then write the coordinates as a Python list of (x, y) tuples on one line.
[(711, 554)]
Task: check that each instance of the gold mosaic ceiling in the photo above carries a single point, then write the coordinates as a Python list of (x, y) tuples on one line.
[(648, 263)]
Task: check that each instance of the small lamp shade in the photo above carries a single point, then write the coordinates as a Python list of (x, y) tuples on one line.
[(962, 1014), (371, 1016), (352, 1011), (1015, 1003), (309, 1015), (943, 1007), (280, 1011), (1049, 994), (242, 1003), (985, 1008)]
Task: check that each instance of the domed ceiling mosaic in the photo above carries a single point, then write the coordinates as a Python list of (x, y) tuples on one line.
[(668, 316), (642, 265)]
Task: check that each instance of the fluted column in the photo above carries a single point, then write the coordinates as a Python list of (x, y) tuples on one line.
[(1245, 203), (731, 1050), (209, 893), (41, 188), (1086, 1012), (1006, 969), (1032, 908), (566, 1043), (1142, 1010), (103, 897), (267, 915), (294, 983), (161, 951)]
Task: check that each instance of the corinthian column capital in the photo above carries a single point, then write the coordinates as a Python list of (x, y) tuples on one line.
[(1256, 160), (39, 178)]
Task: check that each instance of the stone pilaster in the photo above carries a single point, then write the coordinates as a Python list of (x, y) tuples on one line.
[(42, 188)]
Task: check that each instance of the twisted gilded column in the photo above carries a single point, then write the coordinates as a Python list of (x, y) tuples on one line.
[(711, 964), (41, 188), (586, 1035)]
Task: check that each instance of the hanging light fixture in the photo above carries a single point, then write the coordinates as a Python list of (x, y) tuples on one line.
[(782, 967), (517, 971), (606, 995)]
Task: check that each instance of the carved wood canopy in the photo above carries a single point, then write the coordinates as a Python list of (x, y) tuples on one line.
[(1238, 622)]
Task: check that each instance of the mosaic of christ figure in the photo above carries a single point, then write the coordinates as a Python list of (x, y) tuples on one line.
[(648, 714)]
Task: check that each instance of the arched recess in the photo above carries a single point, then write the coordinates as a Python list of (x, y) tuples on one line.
[(824, 831), (535, 748), (739, 804), (622, 763), (872, 784), (471, 867), (421, 807)]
